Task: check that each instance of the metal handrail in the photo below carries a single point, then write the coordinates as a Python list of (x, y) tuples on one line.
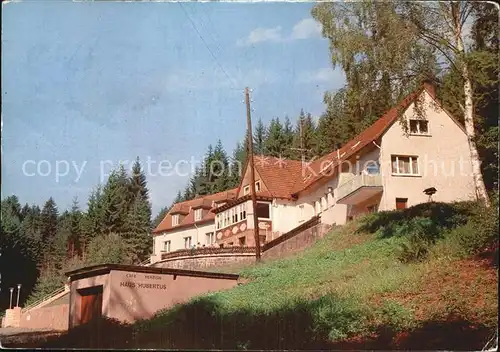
[(145, 262), (43, 299)]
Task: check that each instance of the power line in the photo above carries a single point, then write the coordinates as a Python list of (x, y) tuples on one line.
[(206, 45)]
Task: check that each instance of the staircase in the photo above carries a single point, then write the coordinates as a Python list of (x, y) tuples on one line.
[(60, 292)]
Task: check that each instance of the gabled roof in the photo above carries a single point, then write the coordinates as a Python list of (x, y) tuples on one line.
[(278, 175), (314, 172), (187, 208)]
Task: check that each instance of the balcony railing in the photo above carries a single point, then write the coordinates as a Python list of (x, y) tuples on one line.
[(357, 182)]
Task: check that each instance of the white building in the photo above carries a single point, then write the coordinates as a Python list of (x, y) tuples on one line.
[(385, 167)]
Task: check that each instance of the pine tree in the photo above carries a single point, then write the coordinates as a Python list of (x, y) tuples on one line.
[(138, 183), (115, 201), (259, 137), (275, 139), (62, 239), (92, 223), (48, 227), (178, 197), (289, 135), (238, 162), (305, 137), (138, 233), (75, 229), (220, 169)]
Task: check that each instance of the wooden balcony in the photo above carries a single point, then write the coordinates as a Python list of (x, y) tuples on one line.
[(359, 188)]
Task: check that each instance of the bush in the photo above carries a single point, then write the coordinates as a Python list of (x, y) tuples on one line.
[(395, 316), (108, 249), (438, 216), (336, 318), (480, 232)]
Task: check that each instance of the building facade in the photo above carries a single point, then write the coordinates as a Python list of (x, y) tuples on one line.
[(414, 147)]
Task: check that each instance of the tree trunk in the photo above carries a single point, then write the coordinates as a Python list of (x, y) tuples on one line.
[(468, 111)]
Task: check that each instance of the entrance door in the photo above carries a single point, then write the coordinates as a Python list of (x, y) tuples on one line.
[(401, 203), (91, 304)]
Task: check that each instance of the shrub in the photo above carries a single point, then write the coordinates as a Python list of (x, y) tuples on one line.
[(336, 318), (109, 248), (439, 216), (395, 316), (479, 232)]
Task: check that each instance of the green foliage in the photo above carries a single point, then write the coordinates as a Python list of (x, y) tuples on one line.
[(305, 137), (108, 248), (478, 233), (48, 227), (259, 136), (395, 316)]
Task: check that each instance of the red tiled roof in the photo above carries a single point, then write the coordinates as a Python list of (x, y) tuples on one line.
[(278, 175), (188, 207), (284, 178), (366, 137)]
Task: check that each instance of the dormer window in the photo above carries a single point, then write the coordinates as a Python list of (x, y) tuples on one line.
[(419, 127), (175, 220), (246, 190), (197, 214), (257, 186)]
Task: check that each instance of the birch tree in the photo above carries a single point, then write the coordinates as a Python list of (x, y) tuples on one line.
[(445, 26), (406, 42)]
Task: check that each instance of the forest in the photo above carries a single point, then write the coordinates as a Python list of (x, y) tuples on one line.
[(385, 50)]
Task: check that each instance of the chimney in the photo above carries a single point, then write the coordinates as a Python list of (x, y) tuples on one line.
[(430, 87)]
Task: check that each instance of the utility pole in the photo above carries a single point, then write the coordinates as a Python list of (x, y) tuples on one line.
[(252, 178)]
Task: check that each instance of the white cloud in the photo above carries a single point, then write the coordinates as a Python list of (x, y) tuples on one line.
[(318, 76), (304, 29), (307, 28), (259, 35)]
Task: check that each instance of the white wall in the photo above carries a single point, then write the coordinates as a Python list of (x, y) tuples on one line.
[(284, 216), (176, 237), (443, 160)]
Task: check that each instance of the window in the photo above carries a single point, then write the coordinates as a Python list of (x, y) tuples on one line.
[(197, 214), (404, 165), (419, 127), (231, 216), (301, 212), (210, 238), (246, 190), (187, 242), (217, 221), (263, 210), (243, 213), (324, 204), (175, 220), (318, 207), (373, 168), (166, 246), (257, 186)]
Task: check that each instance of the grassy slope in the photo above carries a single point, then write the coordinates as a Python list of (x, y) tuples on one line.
[(349, 290)]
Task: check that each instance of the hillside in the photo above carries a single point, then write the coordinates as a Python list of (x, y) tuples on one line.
[(423, 278)]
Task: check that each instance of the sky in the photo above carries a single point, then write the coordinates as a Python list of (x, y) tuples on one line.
[(87, 85)]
